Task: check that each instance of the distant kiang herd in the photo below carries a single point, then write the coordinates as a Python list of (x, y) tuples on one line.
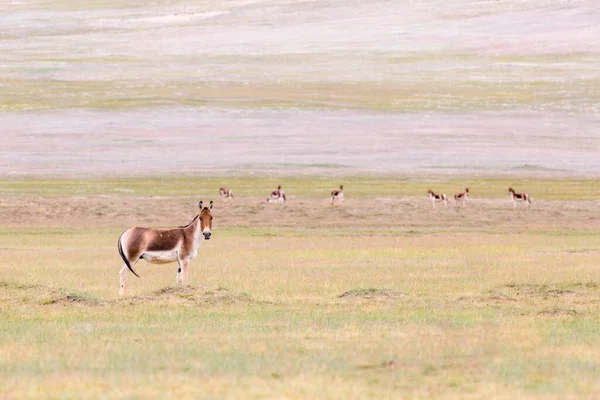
[(181, 244)]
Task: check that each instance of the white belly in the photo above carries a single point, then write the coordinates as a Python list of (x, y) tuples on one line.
[(160, 257)]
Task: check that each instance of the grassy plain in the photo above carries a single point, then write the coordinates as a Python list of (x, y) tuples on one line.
[(379, 297)]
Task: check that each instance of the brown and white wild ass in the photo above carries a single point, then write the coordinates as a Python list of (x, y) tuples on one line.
[(162, 246), (515, 197), (277, 196), (462, 197), (437, 198), (337, 195), (226, 193)]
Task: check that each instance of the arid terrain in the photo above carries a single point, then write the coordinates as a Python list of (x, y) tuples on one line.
[(120, 113), (299, 87)]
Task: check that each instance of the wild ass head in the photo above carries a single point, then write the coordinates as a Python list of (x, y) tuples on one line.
[(205, 218)]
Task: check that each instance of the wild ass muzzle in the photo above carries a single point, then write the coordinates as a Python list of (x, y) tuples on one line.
[(516, 197), (337, 195), (162, 246), (437, 198), (226, 193), (462, 197), (277, 196)]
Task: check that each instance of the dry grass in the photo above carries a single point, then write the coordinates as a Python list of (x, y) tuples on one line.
[(441, 93), (379, 297)]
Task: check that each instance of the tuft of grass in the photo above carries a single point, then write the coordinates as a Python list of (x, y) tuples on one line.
[(74, 297), (559, 312), (372, 293), (193, 295)]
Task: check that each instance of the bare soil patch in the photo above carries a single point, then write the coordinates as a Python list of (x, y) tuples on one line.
[(390, 215)]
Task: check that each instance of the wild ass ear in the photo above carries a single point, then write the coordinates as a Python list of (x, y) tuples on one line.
[(200, 204), (211, 204)]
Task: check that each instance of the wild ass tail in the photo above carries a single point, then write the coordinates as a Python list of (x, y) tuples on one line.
[(125, 258)]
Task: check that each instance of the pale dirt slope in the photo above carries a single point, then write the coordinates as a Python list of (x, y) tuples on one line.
[(336, 87)]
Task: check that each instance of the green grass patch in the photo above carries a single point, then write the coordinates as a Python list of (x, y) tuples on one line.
[(281, 314), (305, 187)]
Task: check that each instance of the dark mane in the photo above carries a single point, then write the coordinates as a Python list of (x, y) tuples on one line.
[(191, 222)]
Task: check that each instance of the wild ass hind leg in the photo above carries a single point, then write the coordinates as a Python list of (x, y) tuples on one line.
[(123, 285), (179, 279), (182, 270), (183, 273)]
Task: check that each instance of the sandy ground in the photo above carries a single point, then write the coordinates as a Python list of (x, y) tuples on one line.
[(393, 215), (337, 87), (222, 142)]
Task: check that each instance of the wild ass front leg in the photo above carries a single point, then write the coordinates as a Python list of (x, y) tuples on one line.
[(185, 263), (123, 285)]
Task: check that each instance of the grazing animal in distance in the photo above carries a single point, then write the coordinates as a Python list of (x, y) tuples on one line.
[(226, 193), (337, 195), (437, 198), (162, 246), (462, 197), (277, 196), (516, 197)]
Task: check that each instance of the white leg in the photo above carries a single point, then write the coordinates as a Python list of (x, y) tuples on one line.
[(179, 273), (123, 285), (186, 270)]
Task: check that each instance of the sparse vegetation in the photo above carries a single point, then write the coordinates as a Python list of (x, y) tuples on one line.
[(381, 295), (378, 297)]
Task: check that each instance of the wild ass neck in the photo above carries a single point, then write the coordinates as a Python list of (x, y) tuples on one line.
[(194, 228)]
